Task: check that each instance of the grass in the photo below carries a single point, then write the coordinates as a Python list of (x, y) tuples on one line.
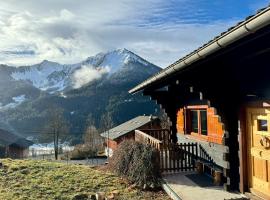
[(32, 179)]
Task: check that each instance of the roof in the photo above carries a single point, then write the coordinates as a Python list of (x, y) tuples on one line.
[(250, 25), (128, 126), (10, 139)]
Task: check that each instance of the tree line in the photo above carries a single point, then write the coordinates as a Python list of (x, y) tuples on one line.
[(57, 130)]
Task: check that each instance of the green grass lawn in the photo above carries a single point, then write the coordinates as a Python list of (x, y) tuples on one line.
[(37, 180)]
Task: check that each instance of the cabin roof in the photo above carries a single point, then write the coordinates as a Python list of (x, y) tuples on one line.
[(246, 27), (10, 139), (128, 126)]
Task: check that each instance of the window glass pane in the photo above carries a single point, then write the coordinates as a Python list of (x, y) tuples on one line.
[(203, 116), (262, 125), (194, 121)]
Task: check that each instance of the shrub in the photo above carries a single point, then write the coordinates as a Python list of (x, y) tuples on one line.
[(82, 152), (138, 163)]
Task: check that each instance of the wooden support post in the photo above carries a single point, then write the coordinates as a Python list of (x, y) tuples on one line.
[(199, 167), (217, 175)]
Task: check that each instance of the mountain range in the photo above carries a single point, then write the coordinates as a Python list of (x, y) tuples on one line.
[(93, 87)]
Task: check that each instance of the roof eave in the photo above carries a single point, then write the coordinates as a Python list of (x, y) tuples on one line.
[(245, 28)]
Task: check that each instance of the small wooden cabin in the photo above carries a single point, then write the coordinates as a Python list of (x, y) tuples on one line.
[(219, 96), (126, 131), (12, 146)]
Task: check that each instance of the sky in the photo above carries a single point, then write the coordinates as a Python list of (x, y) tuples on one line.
[(69, 31)]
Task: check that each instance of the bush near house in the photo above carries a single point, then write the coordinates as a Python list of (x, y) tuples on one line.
[(82, 151), (138, 163)]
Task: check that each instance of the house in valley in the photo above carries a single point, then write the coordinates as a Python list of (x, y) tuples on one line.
[(218, 97), (126, 131), (12, 146)]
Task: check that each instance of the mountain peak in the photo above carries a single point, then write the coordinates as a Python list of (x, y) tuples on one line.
[(115, 59), (124, 52), (120, 51)]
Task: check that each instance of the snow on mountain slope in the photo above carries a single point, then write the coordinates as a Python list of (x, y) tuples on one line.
[(46, 76), (54, 77), (16, 101)]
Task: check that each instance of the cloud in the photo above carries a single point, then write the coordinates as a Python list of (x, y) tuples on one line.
[(87, 74), (70, 31)]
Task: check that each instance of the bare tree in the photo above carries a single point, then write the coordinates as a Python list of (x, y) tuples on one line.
[(92, 140), (57, 127), (90, 121), (106, 123)]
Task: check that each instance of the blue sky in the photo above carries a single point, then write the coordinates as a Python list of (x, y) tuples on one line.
[(205, 11), (68, 31)]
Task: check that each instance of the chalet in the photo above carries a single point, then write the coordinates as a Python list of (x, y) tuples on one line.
[(126, 131), (218, 97), (12, 146)]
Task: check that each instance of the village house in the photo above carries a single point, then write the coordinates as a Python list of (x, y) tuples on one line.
[(126, 131), (12, 146), (218, 97)]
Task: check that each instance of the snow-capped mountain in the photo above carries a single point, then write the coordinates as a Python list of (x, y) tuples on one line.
[(46, 76), (54, 77), (94, 86), (115, 59)]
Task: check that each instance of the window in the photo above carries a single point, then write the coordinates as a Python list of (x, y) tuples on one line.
[(194, 121), (198, 121), (203, 117), (262, 125)]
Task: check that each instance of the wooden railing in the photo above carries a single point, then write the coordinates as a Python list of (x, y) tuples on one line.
[(163, 135), (172, 157), (147, 139), (203, 155), (178, 157)]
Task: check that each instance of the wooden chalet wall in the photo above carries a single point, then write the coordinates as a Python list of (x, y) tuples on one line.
[(13, 152), (17, 152), (230, 79), (215, 128), (212, 144), (178, 96), (180, 123), (113, 144)]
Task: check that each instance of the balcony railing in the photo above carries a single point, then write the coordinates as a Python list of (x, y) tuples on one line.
[(172, 157), (143, 137), (163, 135)]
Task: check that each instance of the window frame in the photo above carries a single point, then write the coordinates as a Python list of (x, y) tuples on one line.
[(198, 109)]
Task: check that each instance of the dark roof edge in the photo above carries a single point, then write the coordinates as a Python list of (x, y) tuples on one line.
[(242, 29), (105, 133)]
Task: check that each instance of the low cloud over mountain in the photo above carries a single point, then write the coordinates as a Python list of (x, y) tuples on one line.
[(87, 74)]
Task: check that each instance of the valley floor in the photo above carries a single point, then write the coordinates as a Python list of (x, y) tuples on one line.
[(32, 179)]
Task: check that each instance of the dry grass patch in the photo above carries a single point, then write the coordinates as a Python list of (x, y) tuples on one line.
[(31, 180)]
